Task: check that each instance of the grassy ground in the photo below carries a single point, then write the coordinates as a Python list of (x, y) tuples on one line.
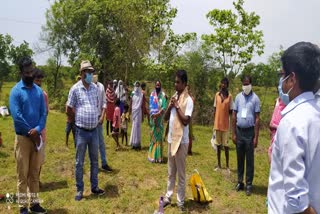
[(135, 185)]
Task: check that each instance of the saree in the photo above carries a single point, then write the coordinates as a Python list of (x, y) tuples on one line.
[(137, 102), (111, 98), (157, 103)]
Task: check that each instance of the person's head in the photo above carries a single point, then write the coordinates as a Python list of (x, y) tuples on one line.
[(246, 84), (301, 67), (115, 83), (95, 78), (86, 71), (224, 83), (38, 76), (158, 86), (26, 70), (117, 103), (181, 80), (120, 83), (126, 107), (136, 86), (143, 86)]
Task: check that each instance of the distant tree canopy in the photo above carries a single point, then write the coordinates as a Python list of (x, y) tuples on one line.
[(9, 57), (235, 39), (117, 36)]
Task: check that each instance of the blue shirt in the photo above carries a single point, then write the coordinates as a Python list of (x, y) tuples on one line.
[(86, 104), (294, 182), (246, 106), (28, 108)]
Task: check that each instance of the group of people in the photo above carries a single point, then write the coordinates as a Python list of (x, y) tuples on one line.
[(294, 152)]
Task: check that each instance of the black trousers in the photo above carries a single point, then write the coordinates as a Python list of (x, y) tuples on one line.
[(245, 153)]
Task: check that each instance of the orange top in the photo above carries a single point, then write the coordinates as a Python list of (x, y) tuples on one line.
[(221, 120)]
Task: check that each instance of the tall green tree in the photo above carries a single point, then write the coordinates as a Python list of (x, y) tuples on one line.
[(116, 35), (10, 55), (235, 39)]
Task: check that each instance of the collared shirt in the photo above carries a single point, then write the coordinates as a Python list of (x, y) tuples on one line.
[(294, 174), (85, 102), (102, 97), (317, 96), (173, 112), (246, 106), (27, 107)]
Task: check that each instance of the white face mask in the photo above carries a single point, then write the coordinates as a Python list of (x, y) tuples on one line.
[(247, 89)]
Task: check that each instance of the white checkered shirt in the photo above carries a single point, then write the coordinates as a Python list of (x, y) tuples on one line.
[(85, 101)]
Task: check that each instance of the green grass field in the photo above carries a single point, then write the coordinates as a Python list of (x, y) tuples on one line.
[(135, 185)]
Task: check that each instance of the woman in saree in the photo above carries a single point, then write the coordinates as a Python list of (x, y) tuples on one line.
[(136, 106), (157, 105)]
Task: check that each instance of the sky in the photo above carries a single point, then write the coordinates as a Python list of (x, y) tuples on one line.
[(283, 22)]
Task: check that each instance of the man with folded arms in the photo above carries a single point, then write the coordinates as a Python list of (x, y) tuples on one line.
[(83, 98)]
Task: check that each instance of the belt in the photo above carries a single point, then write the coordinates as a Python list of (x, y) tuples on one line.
[(18, 133), (245, 129), (84, 129)]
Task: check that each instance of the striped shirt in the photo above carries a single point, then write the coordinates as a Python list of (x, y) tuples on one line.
[(85, 102)]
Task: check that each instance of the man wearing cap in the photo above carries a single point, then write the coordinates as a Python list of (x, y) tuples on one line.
[(101, 109), (83, 97)]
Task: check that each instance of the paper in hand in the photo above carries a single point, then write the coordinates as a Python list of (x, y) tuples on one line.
[(40, 145)]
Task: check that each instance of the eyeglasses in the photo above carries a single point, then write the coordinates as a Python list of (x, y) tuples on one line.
[(39, 77)]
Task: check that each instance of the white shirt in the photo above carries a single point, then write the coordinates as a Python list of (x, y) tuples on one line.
[(294, 181), (185, 136), (317, 96), (102, 97)]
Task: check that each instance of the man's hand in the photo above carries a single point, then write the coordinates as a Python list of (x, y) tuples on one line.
[(33, 133), (101, 119), (234, 139), (255, 142)]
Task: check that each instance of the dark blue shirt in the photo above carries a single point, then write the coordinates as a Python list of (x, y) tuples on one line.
[(27, 108)]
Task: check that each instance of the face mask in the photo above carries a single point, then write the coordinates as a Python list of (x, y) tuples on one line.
[(88, 78), (158, 90), (28, 81), (246, 89), (284, 97)]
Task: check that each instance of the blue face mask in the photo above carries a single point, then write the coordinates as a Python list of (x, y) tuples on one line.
[(88, 78), (284, 97)]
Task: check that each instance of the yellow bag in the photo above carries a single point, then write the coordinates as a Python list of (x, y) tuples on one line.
[(199, 191)]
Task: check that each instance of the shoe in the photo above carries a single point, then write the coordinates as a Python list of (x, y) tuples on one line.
[(217, 169), (98, 191), (239, 186), (37, 209), (106, 168), (24, 210), (166, 201), (249, 190), (78, 196)]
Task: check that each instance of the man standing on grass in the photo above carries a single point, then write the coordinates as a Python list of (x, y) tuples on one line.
[(83, 98), (245, 127), (179, 115), (222, 108), (38, 77), (29, 114), (294, 185), (101, 109)]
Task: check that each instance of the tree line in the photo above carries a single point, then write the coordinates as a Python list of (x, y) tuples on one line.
[(133, 40)]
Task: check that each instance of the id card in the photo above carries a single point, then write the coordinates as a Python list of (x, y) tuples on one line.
[(244, 113)]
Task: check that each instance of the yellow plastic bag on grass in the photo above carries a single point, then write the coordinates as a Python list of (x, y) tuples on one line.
[(199, 191)]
